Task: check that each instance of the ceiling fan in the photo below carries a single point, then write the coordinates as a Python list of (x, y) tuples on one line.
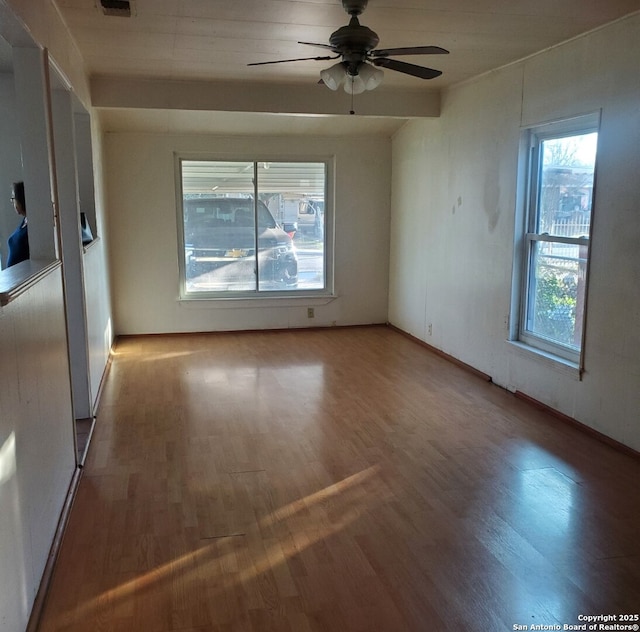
[(359, 67)]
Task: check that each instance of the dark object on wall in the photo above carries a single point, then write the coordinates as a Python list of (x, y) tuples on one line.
[(87, 235), (18, 245), (19, 240), (118, 8)]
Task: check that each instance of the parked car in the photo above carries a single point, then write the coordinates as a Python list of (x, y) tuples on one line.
[(291, 228), (219, 232)]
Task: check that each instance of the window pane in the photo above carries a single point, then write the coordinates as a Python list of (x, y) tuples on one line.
[(566, 185), (294, 194), (555, 303), (224, 226), (219, 226)]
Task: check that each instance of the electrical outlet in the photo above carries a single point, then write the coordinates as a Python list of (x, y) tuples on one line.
[(310, 312), (430, 329)]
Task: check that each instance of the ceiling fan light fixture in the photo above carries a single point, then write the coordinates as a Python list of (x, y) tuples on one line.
[(334, 76), (370, 75), (354, 84)]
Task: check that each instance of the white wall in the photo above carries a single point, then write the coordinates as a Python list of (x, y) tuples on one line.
[(95, 266), (45, 26), (98, 305), (453, 223), (143, 230), (37, 454), (37, 448)]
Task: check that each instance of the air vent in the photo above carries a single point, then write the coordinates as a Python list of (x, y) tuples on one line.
[(119, 8)]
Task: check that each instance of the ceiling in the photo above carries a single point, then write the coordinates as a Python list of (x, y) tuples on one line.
[(214, 40), (210, 42)]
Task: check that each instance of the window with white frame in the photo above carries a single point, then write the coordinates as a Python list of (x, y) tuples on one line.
[(251, 228), (555, 242)]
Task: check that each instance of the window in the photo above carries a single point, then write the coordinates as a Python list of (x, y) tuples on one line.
[(555, 244), (252, 228)]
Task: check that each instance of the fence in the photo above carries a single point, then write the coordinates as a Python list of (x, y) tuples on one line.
[(570, 227)]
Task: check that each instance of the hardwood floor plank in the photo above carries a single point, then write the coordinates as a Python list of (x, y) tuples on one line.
[(343, 480)]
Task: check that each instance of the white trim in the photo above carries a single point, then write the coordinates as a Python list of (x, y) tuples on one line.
[(557, 239), (20, 277), (550, 360), (281, 296), (527, 210), (230, 302)]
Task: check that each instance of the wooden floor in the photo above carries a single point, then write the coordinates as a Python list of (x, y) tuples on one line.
[(336, 480)]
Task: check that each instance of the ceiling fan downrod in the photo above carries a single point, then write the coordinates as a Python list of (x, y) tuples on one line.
[(354, 7)]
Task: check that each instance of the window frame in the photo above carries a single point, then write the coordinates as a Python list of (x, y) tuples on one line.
[(237, 296), (529, 234)]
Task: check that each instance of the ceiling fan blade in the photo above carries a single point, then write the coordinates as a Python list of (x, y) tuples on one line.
[(284, 61), (407, 69), (319, 45), (411, 50)]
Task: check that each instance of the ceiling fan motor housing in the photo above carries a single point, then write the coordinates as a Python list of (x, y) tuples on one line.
[(354, 38), (353, 42)]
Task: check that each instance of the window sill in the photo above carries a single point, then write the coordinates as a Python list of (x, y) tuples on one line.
[(224, 302), (562, 365), (90, 245), (20, 277)]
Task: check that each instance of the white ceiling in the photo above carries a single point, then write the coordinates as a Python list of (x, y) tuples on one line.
[(216, 39)]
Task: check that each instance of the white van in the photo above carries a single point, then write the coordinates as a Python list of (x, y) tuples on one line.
[(311, 217)]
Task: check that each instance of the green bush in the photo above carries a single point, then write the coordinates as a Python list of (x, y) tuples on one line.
[(555, 308)]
